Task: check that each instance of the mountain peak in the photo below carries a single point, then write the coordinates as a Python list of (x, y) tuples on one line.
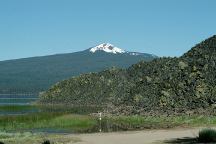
[(107, 47)]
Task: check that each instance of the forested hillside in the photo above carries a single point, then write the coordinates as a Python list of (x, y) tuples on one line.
[(166, 85), (37, 74)]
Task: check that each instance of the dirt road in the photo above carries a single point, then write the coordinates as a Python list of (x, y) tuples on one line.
[(136, 137)]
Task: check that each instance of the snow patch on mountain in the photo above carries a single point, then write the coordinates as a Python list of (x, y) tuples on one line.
[(107, 47), (133, 53)]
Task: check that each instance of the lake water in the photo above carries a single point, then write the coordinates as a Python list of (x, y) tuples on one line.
[(22, 104), (9, 104), (9, 99)]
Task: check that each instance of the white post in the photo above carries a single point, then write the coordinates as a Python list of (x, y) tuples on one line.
[(100, 118)]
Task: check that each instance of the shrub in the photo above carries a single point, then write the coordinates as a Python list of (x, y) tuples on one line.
[(207, 136), (46, 142)]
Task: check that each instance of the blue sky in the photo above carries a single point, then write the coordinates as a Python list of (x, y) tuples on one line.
[(162, 27)]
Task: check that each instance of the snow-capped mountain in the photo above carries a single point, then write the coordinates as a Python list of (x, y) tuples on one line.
[(109, 48)]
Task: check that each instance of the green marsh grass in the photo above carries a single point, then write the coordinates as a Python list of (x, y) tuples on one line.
[(60, 121), (157, 122), (66, 119)]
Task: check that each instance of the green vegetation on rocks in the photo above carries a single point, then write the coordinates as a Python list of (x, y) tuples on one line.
[(163, 86)]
